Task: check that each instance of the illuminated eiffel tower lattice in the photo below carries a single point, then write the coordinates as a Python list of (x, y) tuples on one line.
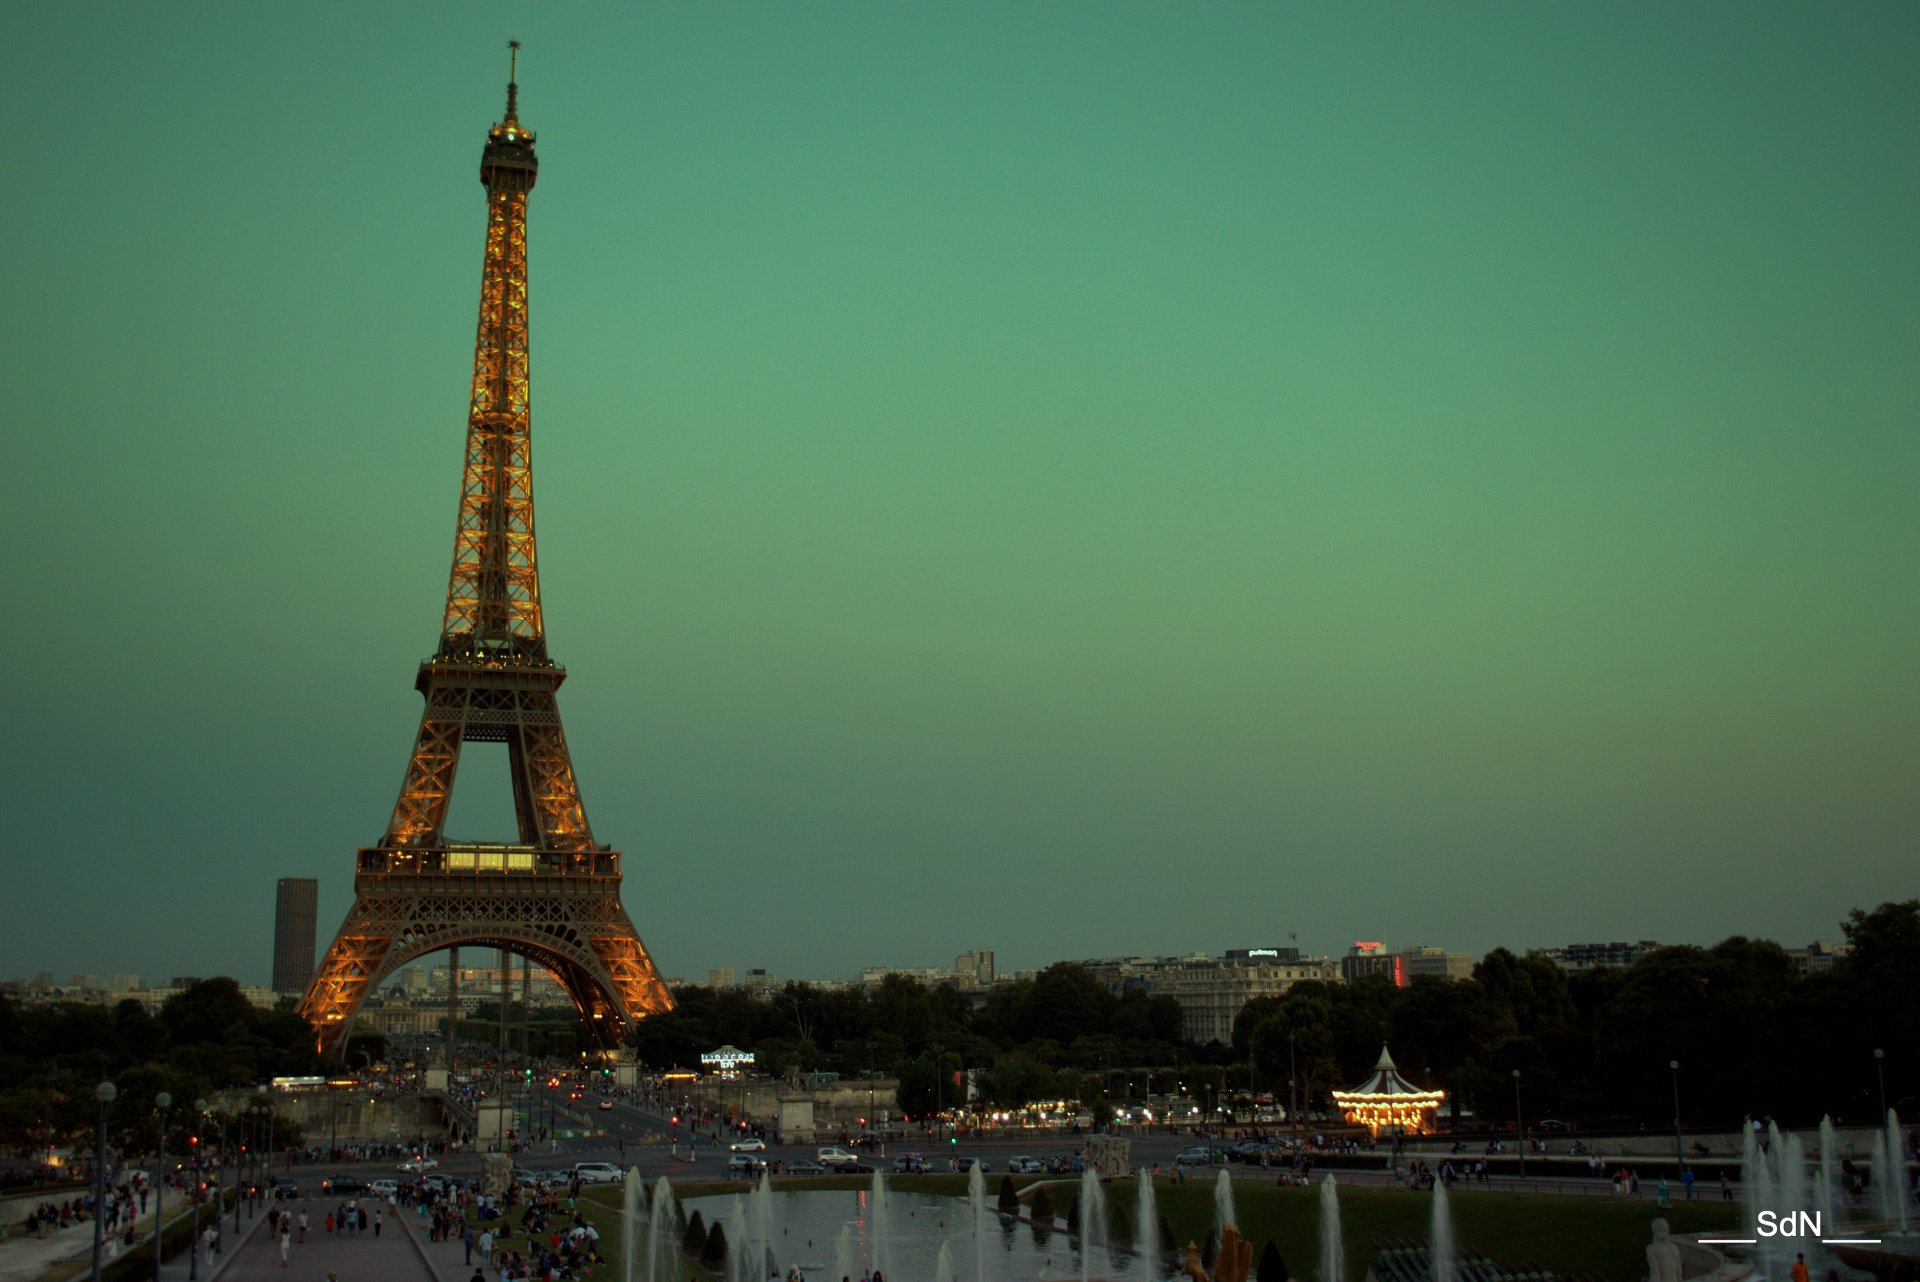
[(552, 897)]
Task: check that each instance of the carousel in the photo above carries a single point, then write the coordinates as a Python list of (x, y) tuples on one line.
[(1389, 1102)]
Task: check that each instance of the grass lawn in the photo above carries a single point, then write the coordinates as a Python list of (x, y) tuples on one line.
[(1563, 1234)]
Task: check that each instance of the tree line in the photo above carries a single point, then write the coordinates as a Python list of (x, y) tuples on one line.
[(1751, 1033)]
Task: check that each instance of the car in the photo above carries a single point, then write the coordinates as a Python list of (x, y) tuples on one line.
[(968, 1163), (834, 1155), (745, 1166), (342, 1184), (805, 1168), (910, 1164), (1023, 1164), (748, 1145), (384, 1188), (606, 1106), (1194, 1155), (1553, 1124), (597, 1173), (417, 1165)]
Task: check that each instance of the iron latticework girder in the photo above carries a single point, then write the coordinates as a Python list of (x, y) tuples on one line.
[(554, 896)]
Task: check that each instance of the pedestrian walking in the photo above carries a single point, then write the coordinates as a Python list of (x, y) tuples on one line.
[(303, 1226), (286, 1245), (466, 1240)]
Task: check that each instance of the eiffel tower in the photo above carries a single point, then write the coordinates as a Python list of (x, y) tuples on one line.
[(553, 897)]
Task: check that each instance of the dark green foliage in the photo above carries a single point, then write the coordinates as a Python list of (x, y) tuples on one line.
[(1271, 1267), (1166, 1236), (207, 1038), (694, 1240), (1040, 1206), (716, 1252), (1009, 1199), (1073, 1215), (1591, 1047)]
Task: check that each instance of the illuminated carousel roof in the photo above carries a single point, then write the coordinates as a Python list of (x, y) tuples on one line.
[(1386, 1080)]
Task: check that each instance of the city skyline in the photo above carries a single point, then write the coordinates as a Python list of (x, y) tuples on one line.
[(1065, 478)]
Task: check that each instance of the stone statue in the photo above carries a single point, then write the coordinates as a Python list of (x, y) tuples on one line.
[(1192, 1267), (1233, 1263), (1663, 1257), (1236, 1257)]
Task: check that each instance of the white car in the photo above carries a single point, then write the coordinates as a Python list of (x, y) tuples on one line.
[(834, 1155), (747, 1146), (597, 1173), (418, 1165), (1023, 1164), (383, 1188)]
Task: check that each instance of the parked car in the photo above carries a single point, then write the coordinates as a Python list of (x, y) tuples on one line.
[(834, 1155), (1022, 1164), (748, 1145), (910, 1164), (596, 1172), (805, 1168), (968, 1163), (1553, 1124), (745, 1166), (1194, 1155)]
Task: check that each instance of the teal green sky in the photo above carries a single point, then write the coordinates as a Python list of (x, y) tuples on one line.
[(1069, 478)]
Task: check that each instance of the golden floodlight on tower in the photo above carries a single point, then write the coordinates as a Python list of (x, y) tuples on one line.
[(1389, 1100)]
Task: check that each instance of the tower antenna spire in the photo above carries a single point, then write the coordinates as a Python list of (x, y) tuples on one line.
[(513, 73)]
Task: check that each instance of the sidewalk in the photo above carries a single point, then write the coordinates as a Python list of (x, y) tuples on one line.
[(443, 1261), (25, 1258), (352, 1257)]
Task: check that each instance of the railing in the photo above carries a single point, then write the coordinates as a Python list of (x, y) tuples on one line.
[(488, 861)]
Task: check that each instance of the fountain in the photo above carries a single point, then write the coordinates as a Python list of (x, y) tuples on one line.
[(630, 1201), (1897, 1171), (1093, 1219), (1223, 1202), (1440, 1235), (737, 1244), (879, 1232), (843, 1253), (760, 1215), (1825, 1200), (977, 1204), (1146, 1224), (1333, 1251), (943, 1265), (659, 1234)]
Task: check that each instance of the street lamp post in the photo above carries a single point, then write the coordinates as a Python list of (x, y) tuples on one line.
[(873, 1126), (165, 1101), (1519, 1131), (1679, 1155), (232, 1161), (104, 1093), (1879, 1059), (266, 1103), (193, 1246)]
